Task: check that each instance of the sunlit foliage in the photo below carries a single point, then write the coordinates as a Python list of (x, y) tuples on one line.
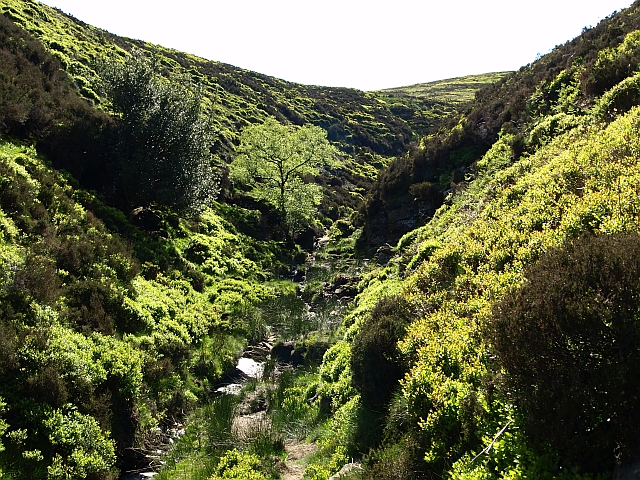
[(276, 161)]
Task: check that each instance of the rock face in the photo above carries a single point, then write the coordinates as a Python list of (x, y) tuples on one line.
[(343, 287), (260, 351), (283, 352), (383, 254), (391, 222), (293, 354)]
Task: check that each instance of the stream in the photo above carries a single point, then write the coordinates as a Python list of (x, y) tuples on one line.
[(247, 367), (289, 317)]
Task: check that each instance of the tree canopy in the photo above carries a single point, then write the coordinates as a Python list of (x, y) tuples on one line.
[(163, 145), (274, 160)]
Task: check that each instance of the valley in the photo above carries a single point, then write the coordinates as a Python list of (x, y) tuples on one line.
[(209, 273)]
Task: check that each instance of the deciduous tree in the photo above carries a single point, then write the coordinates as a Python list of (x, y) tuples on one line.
[(276, 160)]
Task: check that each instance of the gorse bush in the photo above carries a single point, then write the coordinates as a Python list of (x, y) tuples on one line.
[(619, 99), (614, 64), (569, 341), (239, 465)]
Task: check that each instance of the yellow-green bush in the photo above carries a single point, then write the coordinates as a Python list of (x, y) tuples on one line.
[(239, 465), (614, 64), (568, 341), (82, 448)]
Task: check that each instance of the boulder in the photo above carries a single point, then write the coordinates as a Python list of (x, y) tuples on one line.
[(345, 471)]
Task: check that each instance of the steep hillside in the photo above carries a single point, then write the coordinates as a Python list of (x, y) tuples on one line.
[(425, 105), (505, 330), (109, 332), (566, 81), (498, 338), (369, 130)]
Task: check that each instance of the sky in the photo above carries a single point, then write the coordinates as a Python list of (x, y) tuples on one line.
[(364, 44)]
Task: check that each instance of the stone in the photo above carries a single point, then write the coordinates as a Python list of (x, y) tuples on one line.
[(346, 470), (282, 352), (383, 254)]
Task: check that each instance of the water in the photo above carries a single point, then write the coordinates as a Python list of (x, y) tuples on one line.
[(139, 476), (250, 367), (231, 389)]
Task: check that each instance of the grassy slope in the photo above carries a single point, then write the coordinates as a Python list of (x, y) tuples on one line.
[(469, 255), (424, 105), (195, 298), (511, 105), (124, 329), (364, 124), (106, 331), (238, 97)]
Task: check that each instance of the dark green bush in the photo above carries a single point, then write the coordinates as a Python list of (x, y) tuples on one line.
[(569, 341), (37, 99), (162, 148), (376, 362), (621, 98), (38, 278), (95, 305), (402, 460), (426, 191)]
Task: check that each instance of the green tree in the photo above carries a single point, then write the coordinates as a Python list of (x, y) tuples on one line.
[(162, 146), (275, 160)]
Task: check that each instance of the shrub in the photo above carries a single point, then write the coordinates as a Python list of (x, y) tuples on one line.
[(162, 152), (426, 191), (376, 362), (94, 305), (397, 461), (569, 342), (614, 65), (240, 465), (620, 99), (82, 448)]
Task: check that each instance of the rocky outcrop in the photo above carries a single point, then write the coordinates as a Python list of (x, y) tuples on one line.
[(392, 222), (297, 354), (342, 287)]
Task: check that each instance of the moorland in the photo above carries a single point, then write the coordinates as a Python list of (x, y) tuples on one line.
[(435, 281)]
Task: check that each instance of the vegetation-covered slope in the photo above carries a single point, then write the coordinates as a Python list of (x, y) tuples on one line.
[(521, 291), (114, 324), (105, 340), (107, 331), (567, 80), (367, 129), (425, 105)]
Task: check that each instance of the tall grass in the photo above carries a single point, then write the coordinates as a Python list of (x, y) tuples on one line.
[(215, 429), (207, 436), (292, 413)]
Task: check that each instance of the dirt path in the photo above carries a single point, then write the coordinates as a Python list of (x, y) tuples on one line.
[(296, 453)]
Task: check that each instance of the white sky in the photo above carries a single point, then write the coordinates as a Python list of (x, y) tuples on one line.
[(352, 43)]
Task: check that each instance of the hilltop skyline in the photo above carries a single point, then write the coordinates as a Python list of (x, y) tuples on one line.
[(352, 43)]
